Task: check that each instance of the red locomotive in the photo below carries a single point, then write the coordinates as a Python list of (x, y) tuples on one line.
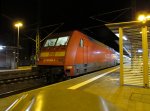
[(74, 53)]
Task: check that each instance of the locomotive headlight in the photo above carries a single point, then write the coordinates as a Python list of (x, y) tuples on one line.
[(38, 59), (69, 67)]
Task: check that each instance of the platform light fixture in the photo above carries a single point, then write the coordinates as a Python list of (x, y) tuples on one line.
[(148, 17), (143, 18), (18, 25)]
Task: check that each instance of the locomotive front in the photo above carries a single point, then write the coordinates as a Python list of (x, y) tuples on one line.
[(53, 51), (52, 56)]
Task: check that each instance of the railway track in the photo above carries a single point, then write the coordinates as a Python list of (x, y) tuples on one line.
[(19, 81), (20, 77)]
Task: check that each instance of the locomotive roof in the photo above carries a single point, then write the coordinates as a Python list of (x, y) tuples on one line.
[(100, 43), (70, 33), (61, 34)]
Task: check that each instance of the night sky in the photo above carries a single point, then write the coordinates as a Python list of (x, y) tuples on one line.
[(74, 14)]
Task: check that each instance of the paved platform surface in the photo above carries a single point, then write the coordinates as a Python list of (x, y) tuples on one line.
[(98, 91)]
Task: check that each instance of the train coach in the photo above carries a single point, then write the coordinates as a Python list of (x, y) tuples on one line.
[(74, 53)]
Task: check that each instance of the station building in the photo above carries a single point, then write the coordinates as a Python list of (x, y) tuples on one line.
[(7, 57)]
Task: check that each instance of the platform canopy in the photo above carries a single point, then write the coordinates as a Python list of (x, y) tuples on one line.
[(132, 32), (134, 40)]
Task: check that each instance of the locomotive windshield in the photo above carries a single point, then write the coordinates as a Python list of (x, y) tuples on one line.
[(50, 42), (62, 41), (56, 41)]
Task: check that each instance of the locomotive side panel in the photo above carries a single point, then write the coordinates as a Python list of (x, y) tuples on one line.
[(97, 56), (87, 55), (71, 54), (81, 60)]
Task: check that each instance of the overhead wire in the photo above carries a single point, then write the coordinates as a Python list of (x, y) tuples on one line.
[(47, 26), (114, 11), (119, 15), (99, 20), (52, 32)]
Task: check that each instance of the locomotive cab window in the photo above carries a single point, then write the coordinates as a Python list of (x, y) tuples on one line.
[(81, 43), (50, 42), (62, 41)]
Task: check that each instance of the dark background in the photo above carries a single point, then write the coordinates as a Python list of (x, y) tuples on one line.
[(89, 16)]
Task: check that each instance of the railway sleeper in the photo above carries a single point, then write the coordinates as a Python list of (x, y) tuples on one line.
[(20, 79)]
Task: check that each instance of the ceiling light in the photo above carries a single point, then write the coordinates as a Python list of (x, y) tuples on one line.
[(141, 32), (2, 47), (124, 37)]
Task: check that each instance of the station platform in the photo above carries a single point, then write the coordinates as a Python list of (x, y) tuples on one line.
[(98, 91), (23, 68)]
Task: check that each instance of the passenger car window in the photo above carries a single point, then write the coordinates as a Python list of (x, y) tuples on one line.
[(81, 43), (62, 41), (50, 42)]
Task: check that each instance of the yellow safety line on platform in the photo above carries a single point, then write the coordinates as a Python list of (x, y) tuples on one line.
[(91, 80), (16, 102)]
